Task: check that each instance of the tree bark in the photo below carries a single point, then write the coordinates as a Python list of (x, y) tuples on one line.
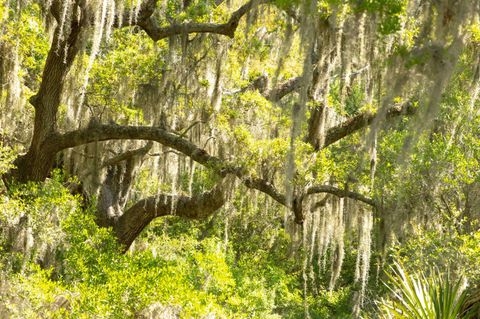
[(131, 223), (36, 164)]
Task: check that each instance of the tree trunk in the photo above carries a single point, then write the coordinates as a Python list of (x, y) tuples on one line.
[(37, 163)]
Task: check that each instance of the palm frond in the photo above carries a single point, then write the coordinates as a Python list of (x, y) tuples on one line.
[(418, 296)]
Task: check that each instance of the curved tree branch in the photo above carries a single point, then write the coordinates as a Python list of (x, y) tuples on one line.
[(147, 23), (130, 224), (104, 132), (167, 138), (341, 193), (142, 151), (184, 146), (267, 188)]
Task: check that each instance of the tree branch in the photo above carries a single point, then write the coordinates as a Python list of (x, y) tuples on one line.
[(184, 146), (320, 203), (142, 151), (275, 94), (167, 138), (358, 122), (267, 188), (156, 32), (287, 87), (177, 142), (131, 223), (104, 132), (341, 193)]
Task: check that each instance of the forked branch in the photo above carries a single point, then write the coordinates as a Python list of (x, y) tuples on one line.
[(156, 32)]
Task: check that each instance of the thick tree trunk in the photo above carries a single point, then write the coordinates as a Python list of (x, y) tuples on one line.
[(316, 124), (37, 163)]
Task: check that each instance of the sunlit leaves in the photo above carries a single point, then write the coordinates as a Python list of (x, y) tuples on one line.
[(390, 12), (424, 296)]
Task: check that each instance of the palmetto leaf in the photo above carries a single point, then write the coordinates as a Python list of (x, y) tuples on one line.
[(418, 296)]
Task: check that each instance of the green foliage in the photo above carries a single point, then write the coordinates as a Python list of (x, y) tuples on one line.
[(419, 296), (7, 155), (184, 267), (286, 3), (25, 32), (390, 11), (97, 280), (446, 250)]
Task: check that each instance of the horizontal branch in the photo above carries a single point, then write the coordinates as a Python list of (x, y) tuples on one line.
[(267, 188), (104, 132), (273, 94), (175, 141), (285, 88), (156, 32), (362, 120), (140, 152), (167, 138), (341, 193)]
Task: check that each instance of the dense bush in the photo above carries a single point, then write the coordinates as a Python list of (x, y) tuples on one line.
[(57, 263)]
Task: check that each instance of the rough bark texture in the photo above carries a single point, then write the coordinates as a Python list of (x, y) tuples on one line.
[(115, 190), (36, 164), (314, 127), (131, 223), (362, 120)]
